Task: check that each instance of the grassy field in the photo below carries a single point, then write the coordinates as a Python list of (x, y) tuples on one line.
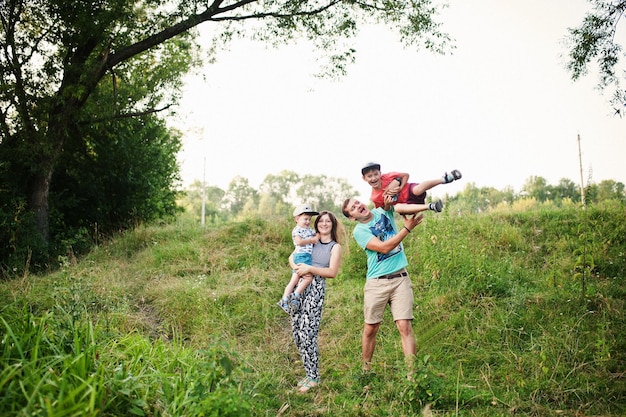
[(516, 313)]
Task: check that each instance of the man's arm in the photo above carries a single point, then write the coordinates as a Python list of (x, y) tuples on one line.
[(377, 245)]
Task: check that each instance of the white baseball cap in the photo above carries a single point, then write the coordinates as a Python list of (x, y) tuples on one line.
[(369, 165), (304, 209)]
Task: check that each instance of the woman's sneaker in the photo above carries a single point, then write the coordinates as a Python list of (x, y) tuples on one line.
[(308, 384), (455, 174)]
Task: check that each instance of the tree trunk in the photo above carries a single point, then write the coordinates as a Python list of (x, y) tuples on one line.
[(38, 202), (39, 184)]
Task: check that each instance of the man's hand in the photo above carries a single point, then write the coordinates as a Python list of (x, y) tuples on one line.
[(389, 200), (410, 222)]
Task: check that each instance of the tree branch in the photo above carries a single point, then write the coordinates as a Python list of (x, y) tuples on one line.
[(195, 20), (126, 115)]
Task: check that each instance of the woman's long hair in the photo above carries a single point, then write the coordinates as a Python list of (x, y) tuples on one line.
[(337, 232)]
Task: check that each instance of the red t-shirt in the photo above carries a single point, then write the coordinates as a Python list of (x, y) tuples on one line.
[(378, 197)]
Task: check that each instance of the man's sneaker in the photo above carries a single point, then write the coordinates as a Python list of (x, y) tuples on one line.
[(436, 206), (294, 303), (455, 174), (284, 305)]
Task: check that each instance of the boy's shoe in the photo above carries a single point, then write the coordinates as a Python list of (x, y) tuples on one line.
[(455, 174), (293, 303), (284, 304), (436, 206)]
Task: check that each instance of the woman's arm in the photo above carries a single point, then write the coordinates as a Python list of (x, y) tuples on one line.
[(330, 271)]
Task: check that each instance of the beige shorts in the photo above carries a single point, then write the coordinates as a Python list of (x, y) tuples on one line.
[(397, 292)]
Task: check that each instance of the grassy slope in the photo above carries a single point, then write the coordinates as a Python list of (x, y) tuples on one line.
[(501, 321)]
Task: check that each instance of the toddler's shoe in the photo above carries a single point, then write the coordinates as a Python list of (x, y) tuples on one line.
[(284, 304), (293, 303), (455, 174), (436, 206)]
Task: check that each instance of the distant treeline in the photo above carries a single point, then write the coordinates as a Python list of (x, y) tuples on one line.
[(278, 193), (536, 190)]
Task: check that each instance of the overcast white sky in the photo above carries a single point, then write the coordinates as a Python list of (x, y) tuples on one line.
[(501, 108)]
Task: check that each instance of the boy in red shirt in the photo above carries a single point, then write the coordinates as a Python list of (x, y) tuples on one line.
[(394, 189)]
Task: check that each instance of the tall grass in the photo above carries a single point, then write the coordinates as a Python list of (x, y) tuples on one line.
[(54, 366), (181, 321)]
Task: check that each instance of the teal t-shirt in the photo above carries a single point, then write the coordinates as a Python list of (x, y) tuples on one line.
[(382, 226)]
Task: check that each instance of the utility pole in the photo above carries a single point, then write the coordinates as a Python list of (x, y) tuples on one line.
[(582, 185), (203, 190)]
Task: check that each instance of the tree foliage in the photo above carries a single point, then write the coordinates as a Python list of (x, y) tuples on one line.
[(276, 196), (535, 191), (594, 41), (239, 195), (192, 200), (68, 69)]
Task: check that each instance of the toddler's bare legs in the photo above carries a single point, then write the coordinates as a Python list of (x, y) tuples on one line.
[(291, 285), (304, 283), (294, 299)]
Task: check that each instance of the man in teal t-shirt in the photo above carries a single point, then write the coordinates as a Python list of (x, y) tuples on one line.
[(387, 281)]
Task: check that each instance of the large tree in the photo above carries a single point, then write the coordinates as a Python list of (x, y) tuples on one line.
[(55, 53)]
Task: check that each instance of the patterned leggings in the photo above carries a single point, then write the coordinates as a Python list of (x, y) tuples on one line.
[(306, 325)]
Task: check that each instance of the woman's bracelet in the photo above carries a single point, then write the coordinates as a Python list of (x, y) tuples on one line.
[(407, 229)]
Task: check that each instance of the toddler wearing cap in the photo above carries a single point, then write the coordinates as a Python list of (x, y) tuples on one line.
[(304, 237)]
